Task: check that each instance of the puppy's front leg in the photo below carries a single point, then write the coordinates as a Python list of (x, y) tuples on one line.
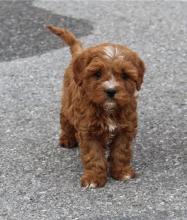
[(120, 157), (94, 163)]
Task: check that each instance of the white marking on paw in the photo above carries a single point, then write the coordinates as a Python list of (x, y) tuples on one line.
[(92, 185), (86, 187), (126, 177)]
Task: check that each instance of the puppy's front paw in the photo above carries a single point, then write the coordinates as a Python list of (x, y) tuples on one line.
[(123, 173), (93, 180)]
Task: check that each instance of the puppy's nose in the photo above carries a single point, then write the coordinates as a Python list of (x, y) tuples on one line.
[(111, 92)]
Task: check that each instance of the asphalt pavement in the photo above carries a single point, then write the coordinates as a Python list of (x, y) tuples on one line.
[(38, 179)]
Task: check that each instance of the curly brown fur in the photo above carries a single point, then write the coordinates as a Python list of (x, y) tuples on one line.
[(99, 107)]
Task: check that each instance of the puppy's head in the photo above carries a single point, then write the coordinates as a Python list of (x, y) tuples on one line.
[(109, 74)]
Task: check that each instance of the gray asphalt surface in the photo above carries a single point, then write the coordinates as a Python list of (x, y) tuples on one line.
[(39, 180)]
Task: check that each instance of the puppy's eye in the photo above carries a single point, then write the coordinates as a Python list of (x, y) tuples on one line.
[(125, 75), (97, 74)]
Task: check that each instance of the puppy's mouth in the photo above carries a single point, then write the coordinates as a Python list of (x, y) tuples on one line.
[(110, 105)]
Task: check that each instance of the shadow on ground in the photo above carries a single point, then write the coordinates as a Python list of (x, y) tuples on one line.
[(23, 30)]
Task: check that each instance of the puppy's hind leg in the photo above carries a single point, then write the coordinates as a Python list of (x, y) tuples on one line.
[(67, 136)]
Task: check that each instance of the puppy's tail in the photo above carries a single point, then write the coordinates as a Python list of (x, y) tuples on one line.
[(69, 38)]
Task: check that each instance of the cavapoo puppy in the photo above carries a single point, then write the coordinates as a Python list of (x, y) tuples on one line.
[(99, 101)]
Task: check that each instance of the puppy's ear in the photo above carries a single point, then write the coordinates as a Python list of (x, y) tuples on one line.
[(141, 71), (79, 65)]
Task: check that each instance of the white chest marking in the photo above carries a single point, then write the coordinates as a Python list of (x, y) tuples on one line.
[(111, 125)]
